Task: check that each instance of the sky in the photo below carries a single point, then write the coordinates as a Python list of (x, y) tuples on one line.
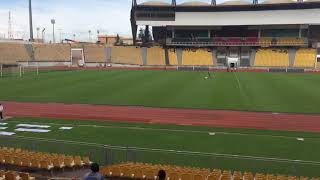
[(71, 16)]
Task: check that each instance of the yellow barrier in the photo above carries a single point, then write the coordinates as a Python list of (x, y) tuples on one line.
[(155, 56), (197, 57), (94, 54), (126, 55), (173, 60)]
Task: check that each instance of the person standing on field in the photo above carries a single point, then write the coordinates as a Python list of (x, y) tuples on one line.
[(1, 111)]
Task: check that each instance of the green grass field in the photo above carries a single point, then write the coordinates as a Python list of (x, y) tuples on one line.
[(276, 92), (237, 149)]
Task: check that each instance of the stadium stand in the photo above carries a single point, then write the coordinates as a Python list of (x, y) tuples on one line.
[(149, 171), (11, 53), (13, 175), (52, 52), (265, 42), (126, 55), (173, 60), (40, 160), (272, 58), (305, 58), (290, 41), (155, 56), (197, 57), (94, 54)]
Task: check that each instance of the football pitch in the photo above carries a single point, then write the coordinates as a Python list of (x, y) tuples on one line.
[(275, 152), (273, 92), (278, 152)]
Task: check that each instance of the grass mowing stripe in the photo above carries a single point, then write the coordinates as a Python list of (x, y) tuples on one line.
[(180, 151), (166, 130), (274, 92)]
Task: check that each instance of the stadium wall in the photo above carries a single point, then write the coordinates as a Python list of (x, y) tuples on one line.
[(99, 55), (51, 52), (11, 53), (126, 55), (94, 54)]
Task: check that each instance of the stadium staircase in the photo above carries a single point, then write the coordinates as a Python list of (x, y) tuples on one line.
[(252, 57), (292, 54)]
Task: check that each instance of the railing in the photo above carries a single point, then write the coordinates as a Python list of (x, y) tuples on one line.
[(106, 155), (237, 41)]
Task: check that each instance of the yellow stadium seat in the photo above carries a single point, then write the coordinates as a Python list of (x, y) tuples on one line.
[(46, 165), (197, 57), (26, 176), (305, 58), (272, 58), (173, 176)]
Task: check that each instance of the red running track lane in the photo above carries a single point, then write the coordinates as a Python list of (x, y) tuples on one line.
[(192, 117)]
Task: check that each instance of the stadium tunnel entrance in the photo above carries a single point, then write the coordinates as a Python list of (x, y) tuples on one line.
[(77, 57)]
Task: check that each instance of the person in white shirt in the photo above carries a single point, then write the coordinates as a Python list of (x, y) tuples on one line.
[(1, 111)]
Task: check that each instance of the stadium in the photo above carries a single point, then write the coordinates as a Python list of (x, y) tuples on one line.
[(206, 91)]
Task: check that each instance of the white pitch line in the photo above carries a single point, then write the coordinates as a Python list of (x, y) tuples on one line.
[(260, 158), (172, 130), (240, 87)]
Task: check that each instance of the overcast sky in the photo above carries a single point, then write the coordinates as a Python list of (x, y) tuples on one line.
[(72, 17)]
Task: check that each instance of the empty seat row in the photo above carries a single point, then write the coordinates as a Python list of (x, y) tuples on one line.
[(272, 58), (40, 160), (12, 175), (305, 58), (150, 171)]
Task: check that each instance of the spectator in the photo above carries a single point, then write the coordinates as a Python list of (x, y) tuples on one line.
[(1, 112), (94, 174), (161, 175)]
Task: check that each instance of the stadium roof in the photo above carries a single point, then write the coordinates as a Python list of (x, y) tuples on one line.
[(199, 3), (194, 3), (155, 3), (235, 2), (278, 1)]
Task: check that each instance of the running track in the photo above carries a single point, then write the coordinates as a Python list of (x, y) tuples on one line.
[(192, 117)]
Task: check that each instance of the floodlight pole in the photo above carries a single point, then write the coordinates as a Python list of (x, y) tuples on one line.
[(53, 37), (30, 21), (43, 34)]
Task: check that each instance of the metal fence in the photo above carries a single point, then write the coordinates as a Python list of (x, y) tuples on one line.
[(106, 155)]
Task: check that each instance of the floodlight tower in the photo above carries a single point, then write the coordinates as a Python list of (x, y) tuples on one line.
[(38, 33), (89, 35), (10, 35), (53, 22), (43, 34), (30, 21)]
